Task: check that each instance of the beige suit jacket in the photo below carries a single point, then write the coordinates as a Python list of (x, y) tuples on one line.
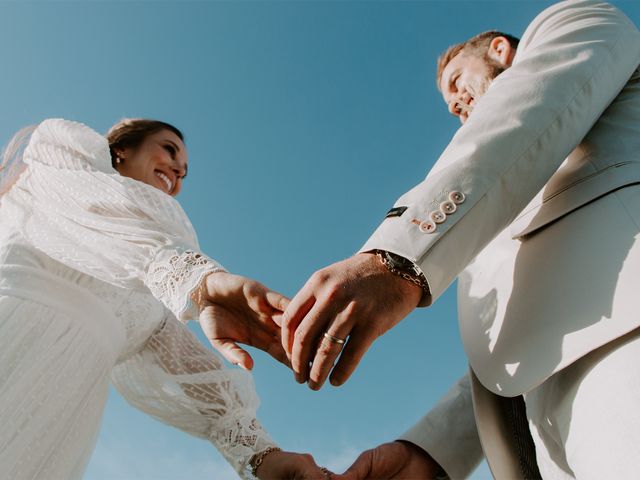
[(541, 281)]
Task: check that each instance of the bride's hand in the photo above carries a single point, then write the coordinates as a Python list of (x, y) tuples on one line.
[(236, 309), (288, 465)]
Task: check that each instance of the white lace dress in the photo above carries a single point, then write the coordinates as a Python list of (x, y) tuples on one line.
[(95, 271)]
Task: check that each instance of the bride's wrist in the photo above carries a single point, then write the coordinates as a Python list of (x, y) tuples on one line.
[(259, 458), (202, 294)]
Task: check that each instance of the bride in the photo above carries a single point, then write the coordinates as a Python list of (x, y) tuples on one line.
[(99, 268)]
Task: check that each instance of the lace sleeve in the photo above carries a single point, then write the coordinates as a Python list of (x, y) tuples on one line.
[(175, 379), (70, 204), (174, 276)]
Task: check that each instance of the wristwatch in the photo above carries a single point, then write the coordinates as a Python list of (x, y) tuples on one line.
[(406, 269)]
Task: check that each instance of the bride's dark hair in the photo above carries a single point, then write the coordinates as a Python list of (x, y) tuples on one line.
[(131, 132)]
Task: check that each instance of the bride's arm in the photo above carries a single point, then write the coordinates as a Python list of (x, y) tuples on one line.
[(177, 380), (71, 204)]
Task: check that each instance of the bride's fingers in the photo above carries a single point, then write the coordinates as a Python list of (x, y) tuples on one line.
[(264, 340), (232, 352), (277, 319), (274, 348), (270, 343), (277, 301)]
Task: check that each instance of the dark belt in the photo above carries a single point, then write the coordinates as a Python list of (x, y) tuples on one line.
[(514, 409), (504, 433)]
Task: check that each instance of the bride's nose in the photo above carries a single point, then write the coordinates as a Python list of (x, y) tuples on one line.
[(179, 169)]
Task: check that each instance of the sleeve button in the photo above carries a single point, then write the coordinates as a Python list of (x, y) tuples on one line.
[(427, 227), (437, 216), (457, 197), (448, 207)]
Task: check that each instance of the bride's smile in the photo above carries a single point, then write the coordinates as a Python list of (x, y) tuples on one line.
[(160, 161)]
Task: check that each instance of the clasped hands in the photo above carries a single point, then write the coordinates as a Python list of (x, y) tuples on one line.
[(336, 316), (324, 331), (394, 460)]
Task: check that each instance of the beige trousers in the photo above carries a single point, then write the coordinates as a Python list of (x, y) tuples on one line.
[(585, 419)]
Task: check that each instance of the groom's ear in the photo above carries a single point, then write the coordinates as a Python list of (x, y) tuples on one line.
[(501, 51)]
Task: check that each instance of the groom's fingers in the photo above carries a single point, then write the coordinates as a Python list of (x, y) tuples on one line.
[(359, 342), (306, 339), (293, 315), (328, 348)]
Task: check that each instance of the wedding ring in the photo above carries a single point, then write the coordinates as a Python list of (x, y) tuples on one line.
[(333, 339)]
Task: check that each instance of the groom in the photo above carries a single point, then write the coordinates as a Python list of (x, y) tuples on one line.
[(533, 206)]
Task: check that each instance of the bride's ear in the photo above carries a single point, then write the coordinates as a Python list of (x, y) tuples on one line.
[(117, 156)]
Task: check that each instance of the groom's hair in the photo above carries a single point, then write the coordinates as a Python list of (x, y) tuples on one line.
[(478, 45)]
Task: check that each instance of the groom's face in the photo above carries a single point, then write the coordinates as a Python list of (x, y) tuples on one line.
[(467, 76), (464, 81)]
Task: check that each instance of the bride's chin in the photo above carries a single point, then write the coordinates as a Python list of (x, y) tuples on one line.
[(160, 186)]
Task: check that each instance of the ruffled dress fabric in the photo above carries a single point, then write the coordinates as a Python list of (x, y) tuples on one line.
[(97, 272)]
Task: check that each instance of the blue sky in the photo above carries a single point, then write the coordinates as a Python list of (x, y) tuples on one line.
[(305, 121)]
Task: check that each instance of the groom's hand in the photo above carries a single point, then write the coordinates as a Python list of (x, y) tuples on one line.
[(395, 460), (357, 298), (236, 309)]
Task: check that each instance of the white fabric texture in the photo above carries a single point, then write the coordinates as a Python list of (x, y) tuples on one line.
[(71, 204), (584, 420), (95, 269), (174, 377)]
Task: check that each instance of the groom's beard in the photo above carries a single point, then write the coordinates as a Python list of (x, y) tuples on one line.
[(478, 89)]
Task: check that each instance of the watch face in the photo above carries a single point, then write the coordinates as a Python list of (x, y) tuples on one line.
[(399, 262), (403, 267)]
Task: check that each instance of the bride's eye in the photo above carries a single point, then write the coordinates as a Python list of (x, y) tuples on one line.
[(171, 150)]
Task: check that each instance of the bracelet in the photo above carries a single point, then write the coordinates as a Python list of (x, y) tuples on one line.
[(258, 458), (408, 271)]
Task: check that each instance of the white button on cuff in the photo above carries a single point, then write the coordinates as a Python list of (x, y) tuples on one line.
[(448, 207), (437, 216), (427, 227), (457, 197)]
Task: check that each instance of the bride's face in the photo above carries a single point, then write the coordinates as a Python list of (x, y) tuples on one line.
[(160, 161)]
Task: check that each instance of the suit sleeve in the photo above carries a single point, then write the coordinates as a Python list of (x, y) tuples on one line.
[(572, 62), (448, 432)]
